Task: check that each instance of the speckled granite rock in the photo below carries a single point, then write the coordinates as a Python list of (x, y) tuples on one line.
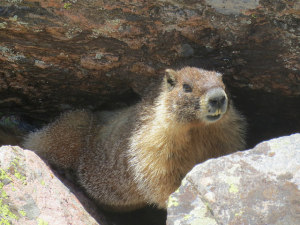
[(258, 186), (31, 194), (60, 54)]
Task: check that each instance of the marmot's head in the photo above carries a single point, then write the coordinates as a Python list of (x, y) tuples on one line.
[(195, 95)]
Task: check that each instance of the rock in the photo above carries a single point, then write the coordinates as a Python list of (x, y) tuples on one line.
[(258, 186), (32, 194), (56, 55)]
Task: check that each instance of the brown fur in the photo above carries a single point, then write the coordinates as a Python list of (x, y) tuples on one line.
[(135, 156)]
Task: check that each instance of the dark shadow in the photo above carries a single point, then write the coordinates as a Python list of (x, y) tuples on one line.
[(145, 216), (268, 115)]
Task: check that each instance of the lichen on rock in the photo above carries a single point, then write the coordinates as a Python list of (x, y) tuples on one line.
[(261, 185), (31, 194)]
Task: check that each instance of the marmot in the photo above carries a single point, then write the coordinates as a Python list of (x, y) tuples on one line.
[(128, 158)]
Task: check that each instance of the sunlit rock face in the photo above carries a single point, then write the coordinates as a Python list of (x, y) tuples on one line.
[(257, 186)]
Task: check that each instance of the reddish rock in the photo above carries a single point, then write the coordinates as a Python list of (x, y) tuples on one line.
[(32, 194), (56, 55)]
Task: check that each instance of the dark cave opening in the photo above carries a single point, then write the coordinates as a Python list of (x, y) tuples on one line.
[(268, 115)]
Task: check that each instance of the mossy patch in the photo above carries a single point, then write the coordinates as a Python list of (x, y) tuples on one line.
[(172, 202), (15, 168), (3, 194), (233, 188), (20, 177), (4, 177), (22, 212), (238, 214), (186, 217), (42, 222), (6, 214), (67, 5)]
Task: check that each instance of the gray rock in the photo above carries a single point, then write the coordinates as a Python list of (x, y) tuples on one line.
[(258, 186), (34, 195)]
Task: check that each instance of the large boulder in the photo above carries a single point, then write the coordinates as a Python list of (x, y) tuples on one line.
[(30, 193), (258, 186), (56, 55), (108, 47)]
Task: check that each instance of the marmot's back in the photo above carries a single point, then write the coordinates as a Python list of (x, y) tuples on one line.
[(61, 141), (131, 157), (104, 169)]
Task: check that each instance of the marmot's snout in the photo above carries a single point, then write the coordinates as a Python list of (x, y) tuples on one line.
[(216, 101)]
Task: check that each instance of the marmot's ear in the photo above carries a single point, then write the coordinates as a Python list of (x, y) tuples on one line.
[(171, 78)]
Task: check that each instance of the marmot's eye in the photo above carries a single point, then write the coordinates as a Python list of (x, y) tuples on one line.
[(187, 88)]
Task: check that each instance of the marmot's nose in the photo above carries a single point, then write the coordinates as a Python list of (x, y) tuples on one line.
[(216, 100)]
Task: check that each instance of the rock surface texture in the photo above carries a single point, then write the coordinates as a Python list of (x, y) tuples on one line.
[(56, 55), (31, 194), (258, 186)]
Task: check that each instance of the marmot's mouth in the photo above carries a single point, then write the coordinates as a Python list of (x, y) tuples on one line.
[(213, 117)]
